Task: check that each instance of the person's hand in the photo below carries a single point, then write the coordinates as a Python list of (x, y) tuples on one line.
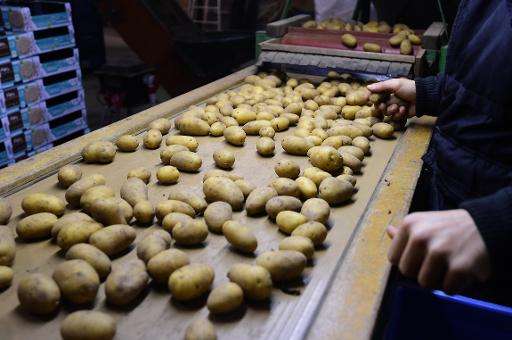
[(440, 249), (402, 104)]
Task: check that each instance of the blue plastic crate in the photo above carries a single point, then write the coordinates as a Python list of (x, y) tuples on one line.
[(421, 314)]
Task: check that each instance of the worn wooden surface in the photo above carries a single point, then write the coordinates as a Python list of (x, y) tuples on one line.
[(343, 286), (280, 27)]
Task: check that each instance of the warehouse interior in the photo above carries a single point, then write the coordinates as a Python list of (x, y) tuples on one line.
[(255, 169)]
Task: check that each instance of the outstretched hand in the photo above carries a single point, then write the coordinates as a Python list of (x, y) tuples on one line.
[(402, 103)]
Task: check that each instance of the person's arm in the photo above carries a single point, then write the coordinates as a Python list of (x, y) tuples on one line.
[(428, 95), (493, 217)]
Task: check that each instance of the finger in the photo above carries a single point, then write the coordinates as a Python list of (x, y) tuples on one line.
[(402, 111), (382, 107), (397, 245), (432, 270), (455, 281), (412, 258), (392, 109), (391, 85), (412, 111), (391, 231), (399, 116)]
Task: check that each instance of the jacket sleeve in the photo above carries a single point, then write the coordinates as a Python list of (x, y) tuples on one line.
[(428, 95), (493, 217)]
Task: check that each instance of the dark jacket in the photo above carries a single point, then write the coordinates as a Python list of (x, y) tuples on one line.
[(471, 149)]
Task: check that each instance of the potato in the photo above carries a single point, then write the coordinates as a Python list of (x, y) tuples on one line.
[(7, 247), (372, 47), (190, 234), (362, 143), (40, 202), (197, 202), (347, 171), (126, 282), (101, 152), (240, 236), (223, 189), (325, 158), (288, 221), (169, 151), (316, 175), (36, 226), (152, 139), (5, 211), (38, 294), (220, 173), (316, 209), (161, 124), (351, 161), (113, 239), (357, 98), (224, 158), (267, 132), (283, 265), (172, 219), (225, 298), (296, 145), (191, 281), (285, 187), (281, 203), (307, 187), (168, 175), (88, 325), (144, 212), (93, 256), (134, 190), (77, 189), (280, 124), (243, 115), (353, 150), (187, 141), (153, 244), (6, 276), (335, 191), (127, 143), (107, 211), (414, 39), (77, 280), (68, 175), (192, 126), (406, 47), (337, 141), (76, 232), (265, 146), (349, 40), (298, 243), (287, 168), (141, 173), (216, 214), (253, 128), (186, 161), (163, 264), (255, 281), (93, 194), (201, 329), (383, 130), (235, 135), (313, 230), (217, 129), (366, 131), (349, 178), (169, 206)]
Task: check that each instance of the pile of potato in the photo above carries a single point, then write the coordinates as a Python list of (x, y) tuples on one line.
[(334, 122)]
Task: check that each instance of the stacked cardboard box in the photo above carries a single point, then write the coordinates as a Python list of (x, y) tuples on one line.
[(41, 94)]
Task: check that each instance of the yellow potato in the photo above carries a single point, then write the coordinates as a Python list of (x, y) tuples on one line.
[(169, 151), (169, 206), (362, 143), (351, 161), (113, 239), (316, 209), (77, 189), (223, 189), (216, 214), (191, 281), (287, 168), (153, 244), (68, 175), (235, 135), (221, 173), (7, 247), (307, 187), (101, 152), (161, 124), (296, 145), (298, 243), (134, 190), (326, 158), (152, 139), (190, 234), (188, 196), (245, 187), (126, 282), (240, 236), (186, 161), (38, 294), (88, 325), (127, 143), (201, 329), (75, 232), (191, 126), (40, 202), (217, 129), (372, 47), (187, 141), (316, 175), (337, 141), (224, 158), (280, 124), (406, 47), (243, 115), (286, 187), (36, 226), (265, 146), (77, 280), (107, 211), (313, 230), (281, 203), (163, 264), (94, 193), (6, 276), (172, 219), (253, 128), (93, 256), (349, 178), (5, 211), (383, 130), (168, 175), (257, 200), (353, 150), (144, 212), (349, 40), (255, 281), (140, 172), (225, 298), (283, 265), (288, 221), (267, 132), (335, 191), (414, 39)]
